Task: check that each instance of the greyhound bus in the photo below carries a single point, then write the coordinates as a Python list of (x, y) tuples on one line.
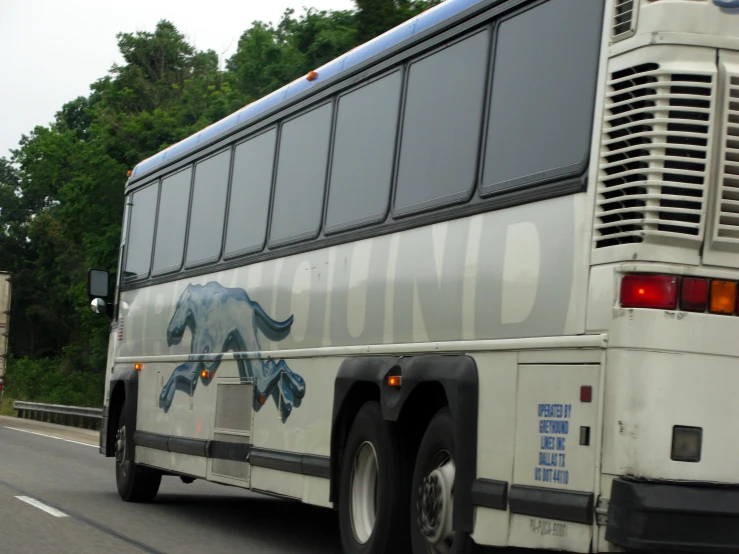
[(471, 283)]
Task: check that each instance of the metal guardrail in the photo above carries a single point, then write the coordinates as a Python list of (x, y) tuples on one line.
[(74, 416)]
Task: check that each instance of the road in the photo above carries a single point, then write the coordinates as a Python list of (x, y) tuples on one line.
[(74, 479)]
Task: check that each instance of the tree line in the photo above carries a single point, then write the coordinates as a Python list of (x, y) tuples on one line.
[(61, 190)]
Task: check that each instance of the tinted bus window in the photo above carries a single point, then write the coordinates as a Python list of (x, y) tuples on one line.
[(250, 187), (543, 93), (208, 209), (141, 235), (170, 237), (441, 126), (301, 176), (364, 144)]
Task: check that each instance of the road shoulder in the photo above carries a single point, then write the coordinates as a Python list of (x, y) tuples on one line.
[(86, 436)]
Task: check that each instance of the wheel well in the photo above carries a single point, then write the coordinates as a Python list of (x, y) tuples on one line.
[(117, 397), (418, 410), (360, 393)]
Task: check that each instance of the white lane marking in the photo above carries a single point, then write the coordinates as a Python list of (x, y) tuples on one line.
[(41, 506), (50, 436)]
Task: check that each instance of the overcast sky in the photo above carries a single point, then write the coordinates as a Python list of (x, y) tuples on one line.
[(52, 50)]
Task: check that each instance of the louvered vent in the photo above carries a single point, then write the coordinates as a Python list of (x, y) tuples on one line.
[(728, 216), (623, 19), (654, 156)]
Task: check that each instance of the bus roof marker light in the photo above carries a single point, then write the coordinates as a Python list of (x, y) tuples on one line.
[(394, 381), (649, 291), (694, 294), (138, 367), (205, 374), (312, 76), (723, 297)]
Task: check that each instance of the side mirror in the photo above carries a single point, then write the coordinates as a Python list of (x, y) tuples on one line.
[(98, 283), (99, 306)]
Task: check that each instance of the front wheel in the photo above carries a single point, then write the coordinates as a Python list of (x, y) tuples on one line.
[(373, 494), (135, 483), (432, 493)]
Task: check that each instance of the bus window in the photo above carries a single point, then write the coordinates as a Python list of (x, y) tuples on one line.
[(170, 237), (208, 209), (141, 236), (250, 187), (441, 126), (301, 176), (543, 93), (364, 144)]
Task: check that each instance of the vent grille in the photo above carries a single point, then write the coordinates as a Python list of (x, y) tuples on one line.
[(234, 407), (623, 20), (231, 468), (728, 216), (654, 156)]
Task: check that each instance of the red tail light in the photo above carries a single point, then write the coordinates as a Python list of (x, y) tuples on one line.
[(649, 291), (694, 296)]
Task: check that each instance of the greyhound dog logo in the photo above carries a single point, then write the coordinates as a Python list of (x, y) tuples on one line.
[(220, 320)]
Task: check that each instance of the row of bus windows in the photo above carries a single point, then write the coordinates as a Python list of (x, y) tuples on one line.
[(537, 128)]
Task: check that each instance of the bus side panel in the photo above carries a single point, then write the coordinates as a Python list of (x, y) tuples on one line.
[(502, 274)]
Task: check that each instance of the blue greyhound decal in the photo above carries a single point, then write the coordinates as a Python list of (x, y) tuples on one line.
[(222, 320)]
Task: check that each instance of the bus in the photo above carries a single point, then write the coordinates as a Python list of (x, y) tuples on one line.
[(471, 283)]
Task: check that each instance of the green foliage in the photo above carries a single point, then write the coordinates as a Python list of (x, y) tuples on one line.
[(61, 200), (47, 379)]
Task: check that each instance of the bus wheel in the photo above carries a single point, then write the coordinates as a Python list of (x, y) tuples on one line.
[(372, 511), (135, 483), (432, 493)]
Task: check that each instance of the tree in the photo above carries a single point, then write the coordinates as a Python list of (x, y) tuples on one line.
[(61, 193)]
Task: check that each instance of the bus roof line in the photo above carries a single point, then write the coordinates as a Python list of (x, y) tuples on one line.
[(339, 66)]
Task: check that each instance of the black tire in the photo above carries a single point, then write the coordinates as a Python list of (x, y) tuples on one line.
[(438, 441), (390, 533), (135, 483)]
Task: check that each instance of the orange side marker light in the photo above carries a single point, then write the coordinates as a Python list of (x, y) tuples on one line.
[(394, 381)]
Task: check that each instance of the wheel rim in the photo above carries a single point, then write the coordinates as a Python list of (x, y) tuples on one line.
[(120, 448), (435, 503), (364, 492)]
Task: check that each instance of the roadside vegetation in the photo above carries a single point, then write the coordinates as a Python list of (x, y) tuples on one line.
[(61, 201)]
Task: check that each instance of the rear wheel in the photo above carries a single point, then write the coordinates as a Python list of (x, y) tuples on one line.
[(135, 483), (373, 499), (432, 493)]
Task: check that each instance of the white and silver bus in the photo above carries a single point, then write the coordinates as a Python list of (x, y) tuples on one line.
[(472, 283)]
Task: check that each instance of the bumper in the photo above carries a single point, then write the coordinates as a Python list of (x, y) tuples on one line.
[(671, 516), (104, 433)]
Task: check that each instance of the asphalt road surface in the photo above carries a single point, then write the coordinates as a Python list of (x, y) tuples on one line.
[(202, 518), (58, 495)]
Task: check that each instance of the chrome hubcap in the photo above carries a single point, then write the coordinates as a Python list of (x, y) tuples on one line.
[(435, 501), (120, 446), (364, 492)]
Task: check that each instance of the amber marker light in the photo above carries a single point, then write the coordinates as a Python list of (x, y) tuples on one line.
[(393, 381), (138, 367), (312, 76), (723, 297), (205, 374)]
